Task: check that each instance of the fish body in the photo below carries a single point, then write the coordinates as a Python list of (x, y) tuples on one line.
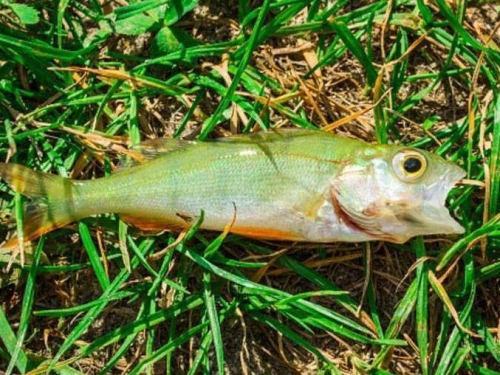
[(290, 185)]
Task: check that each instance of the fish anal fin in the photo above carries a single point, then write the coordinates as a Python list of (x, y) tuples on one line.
[(151, 224)]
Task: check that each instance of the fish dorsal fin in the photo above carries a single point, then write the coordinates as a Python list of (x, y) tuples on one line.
[(268, 136), (152, 149)]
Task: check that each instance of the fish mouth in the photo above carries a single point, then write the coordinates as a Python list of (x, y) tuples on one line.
[(432, 216)]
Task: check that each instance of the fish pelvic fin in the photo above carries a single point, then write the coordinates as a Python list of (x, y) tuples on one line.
[(52, 200)]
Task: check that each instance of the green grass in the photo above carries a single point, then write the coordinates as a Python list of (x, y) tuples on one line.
[(76, 89)]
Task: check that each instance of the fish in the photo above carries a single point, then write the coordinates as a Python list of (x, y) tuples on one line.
[(292, 185)]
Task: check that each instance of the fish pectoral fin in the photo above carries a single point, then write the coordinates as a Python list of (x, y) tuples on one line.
[(265, 233), (312, 207)]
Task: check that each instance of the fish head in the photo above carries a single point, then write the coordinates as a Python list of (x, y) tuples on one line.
[(393, 193)]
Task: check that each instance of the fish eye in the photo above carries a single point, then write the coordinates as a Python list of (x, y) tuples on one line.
[(409, 165), (412, 165)]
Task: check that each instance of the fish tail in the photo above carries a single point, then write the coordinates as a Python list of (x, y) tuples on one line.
[(52, 200)]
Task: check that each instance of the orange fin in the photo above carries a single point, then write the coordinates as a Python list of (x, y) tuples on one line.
[(149, 224), (265, 233)]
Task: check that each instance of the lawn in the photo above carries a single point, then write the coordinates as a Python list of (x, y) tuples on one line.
[(83, 82)]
